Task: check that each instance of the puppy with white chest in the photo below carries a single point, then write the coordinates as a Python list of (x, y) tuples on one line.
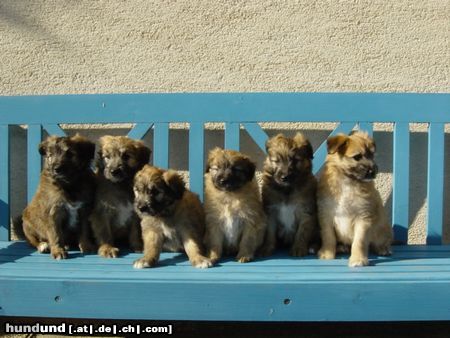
[(289, 195), (350, 208), (57, 216), (235, 219), (172, 217), (114, 221)]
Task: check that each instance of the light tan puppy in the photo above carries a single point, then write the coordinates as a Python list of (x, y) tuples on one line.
[(350, 208), (289, 195), (172, 217), (235, 220), (114, 221)]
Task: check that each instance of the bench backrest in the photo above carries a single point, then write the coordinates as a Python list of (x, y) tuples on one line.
[(235, 110)]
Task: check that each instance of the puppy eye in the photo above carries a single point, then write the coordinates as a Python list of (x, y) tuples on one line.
[(125, 157), (239, 169), (69, 154), (357, 157)]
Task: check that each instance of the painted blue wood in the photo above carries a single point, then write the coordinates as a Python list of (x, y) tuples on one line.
[(257, 134), (366, 126), (435, 187), (400, 190), (34, 137), (196, 158), (139, 130), (161, 145), (54, 129), (232, 136), (321, 153), (278, 289), (4, 182), (225, 107)]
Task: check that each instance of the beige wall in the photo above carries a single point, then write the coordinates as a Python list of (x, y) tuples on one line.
[(165, 46)]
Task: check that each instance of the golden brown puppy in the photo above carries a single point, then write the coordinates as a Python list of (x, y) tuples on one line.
[(289, 195), (57, 216), (350, 208), (235, 219), (172, 217), (114, 221)]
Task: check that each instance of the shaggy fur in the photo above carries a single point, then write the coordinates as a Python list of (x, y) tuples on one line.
[(350, 208), (172, 217), (235, 220), (57, 216), (289, 195), (114, 221)]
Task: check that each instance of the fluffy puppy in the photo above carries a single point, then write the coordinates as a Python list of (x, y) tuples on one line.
[(350, 209), (57, 216), (289, 195), (172, 217), (114, 221), (235, 219)]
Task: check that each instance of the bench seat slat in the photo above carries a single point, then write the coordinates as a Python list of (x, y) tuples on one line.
[(279, 289)]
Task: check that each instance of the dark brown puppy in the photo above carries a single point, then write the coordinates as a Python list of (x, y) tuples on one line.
[(114, 221), (172, 217), (57, 216), (235, 219), (289, 195)]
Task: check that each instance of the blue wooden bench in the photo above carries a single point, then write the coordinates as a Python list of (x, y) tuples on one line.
[(413, 284)]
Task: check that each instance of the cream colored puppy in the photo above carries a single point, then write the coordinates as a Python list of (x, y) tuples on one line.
[(235, 219), (350, 209)]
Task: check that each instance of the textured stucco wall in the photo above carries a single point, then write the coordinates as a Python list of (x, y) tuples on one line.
[(188, 46)]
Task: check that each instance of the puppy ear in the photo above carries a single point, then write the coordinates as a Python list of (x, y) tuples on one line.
[(84, 147), (304, 146), (143, 153), (337, 143), (250, 168), (43, 147), (175, 183), (211, 155), (272, 140)]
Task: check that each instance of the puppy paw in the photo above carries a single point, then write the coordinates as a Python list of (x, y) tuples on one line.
[(58, 253), (298, 250), (244, 259), (354, 262), (326, 254), (202, 262), (43, 247), (143, 263), (108, 251), (383, 251)]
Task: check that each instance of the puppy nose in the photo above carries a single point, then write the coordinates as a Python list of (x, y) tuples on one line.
[(116, 172), (143, 208)]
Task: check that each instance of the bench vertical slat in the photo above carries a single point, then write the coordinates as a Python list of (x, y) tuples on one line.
[(4, 183), (54, 129), (139, 130), (321, 152), (196, 155), (366, 126), (34, 137), (400, 191), (161, 145), (232, 136), (257, 134), (435, 184)]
